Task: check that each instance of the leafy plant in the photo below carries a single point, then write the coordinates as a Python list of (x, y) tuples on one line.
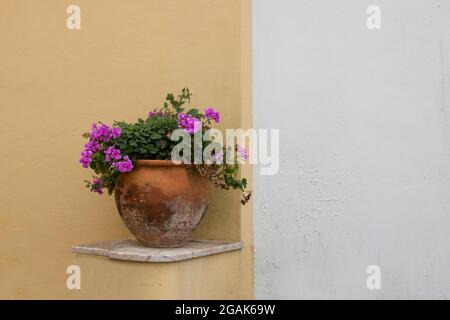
[(114, 150)]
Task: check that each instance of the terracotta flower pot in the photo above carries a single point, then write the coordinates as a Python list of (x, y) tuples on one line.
[(161, 203)]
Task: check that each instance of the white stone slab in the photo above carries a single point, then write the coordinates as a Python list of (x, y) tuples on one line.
[(131, 250)]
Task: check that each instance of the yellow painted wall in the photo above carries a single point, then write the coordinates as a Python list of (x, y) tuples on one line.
[(55, 82), (212, 277)]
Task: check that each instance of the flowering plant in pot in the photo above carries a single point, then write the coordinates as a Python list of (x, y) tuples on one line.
[(160, 187)]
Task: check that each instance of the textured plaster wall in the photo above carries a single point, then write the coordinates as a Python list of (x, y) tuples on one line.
[(55, 82), (365, 149)]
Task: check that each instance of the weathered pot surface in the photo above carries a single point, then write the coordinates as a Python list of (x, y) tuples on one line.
[(160, 202)]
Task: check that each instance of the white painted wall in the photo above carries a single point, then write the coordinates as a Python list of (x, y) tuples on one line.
[(365, 149)]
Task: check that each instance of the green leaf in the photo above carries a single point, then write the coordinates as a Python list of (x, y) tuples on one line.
[(193, 112), (170, 97), (229, 170), (155, 136)]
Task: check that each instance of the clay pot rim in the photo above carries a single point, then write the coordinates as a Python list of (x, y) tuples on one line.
[(160, 163)]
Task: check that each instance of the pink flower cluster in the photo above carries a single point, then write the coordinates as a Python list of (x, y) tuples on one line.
[(242, 152), (122, 164), (86, 157), (189, 123), (104, 133), (212, 114), (112, 154), (97, 185), (126, 165), (97, 137)]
